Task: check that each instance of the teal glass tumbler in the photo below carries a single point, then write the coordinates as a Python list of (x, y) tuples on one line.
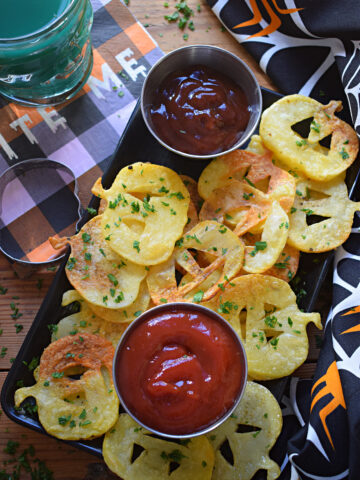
[(52, 64)]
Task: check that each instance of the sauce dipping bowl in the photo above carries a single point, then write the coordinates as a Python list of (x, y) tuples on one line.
[(212, 57), (180, 370)]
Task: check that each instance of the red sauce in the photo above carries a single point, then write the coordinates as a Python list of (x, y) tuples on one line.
[(199, 111), (179, 371)]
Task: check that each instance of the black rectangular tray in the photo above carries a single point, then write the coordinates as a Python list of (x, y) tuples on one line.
[(138, 145)]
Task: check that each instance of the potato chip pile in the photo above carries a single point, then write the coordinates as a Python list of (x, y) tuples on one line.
[(230, 242)]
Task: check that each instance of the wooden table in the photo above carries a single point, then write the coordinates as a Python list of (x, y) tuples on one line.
[(66, 462)]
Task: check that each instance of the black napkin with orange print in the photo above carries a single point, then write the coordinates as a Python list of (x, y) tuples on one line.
[(313, 48)]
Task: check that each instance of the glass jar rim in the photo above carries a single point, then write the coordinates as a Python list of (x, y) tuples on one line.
[(50, 26)]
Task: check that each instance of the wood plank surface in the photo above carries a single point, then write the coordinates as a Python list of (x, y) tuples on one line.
[(26, 294)]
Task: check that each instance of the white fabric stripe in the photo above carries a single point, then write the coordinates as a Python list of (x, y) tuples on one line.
[(297, 19), (293, 385), (317, 477), (284, 463), (313, 437)]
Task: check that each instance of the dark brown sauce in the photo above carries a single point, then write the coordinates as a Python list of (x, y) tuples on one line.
[(199, 111)]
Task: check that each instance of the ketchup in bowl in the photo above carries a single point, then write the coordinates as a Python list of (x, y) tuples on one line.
[(199, 111), (180, 369)]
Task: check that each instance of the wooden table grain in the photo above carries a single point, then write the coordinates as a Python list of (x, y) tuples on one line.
[(66, 462)]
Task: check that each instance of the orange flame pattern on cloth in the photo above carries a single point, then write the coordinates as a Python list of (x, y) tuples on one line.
[(356, 328), (275, 21), (332, 386)]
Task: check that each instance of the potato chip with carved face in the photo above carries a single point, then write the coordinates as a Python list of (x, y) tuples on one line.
[(228, 252), (133, 453), (263, 311), (146, 212), (328, 203), (265, 252), (99, 274), (249, 434), (306, 154), (255, 168), (85, 321), (74, 409)]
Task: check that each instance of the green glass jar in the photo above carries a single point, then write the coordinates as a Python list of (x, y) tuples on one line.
[(50, 58)]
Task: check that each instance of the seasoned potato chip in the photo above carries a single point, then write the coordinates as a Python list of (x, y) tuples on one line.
[(239, 203), (85, 321), (192, 187), (255, 168), (75, 409), (146, 212), (158, 459), (330, 202), (273, 329), (250, 434), (228, 251), (193, 218), (129, 313), (100, 275), (306, 154), (264, 253)]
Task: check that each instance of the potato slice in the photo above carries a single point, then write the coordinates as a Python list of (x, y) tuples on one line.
[(256, 168), (127, 314), (264, 253), (146, 212), (75, 409), (85, 321), (192, 187), (228, 251), (237, 202), (99, 274), (259, 414), (325, 199), (273, 329), (306, 154), (194, 459)]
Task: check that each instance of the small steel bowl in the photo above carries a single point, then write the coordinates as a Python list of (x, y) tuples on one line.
[(194, 308), (213, 57)]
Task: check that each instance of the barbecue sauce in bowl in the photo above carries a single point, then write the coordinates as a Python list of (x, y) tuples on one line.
[(199, 111)]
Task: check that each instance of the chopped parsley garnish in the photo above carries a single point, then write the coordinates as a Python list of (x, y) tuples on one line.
[(71, 263), (315, 126), (86, 237), (113, 280), (258, 246), (91, 211), (344, 154), (300, 143), (102, 252), (178, 195), (87, 256), (57, 374), (136, 245), (198, 296), (3, 290), (163, 300), (249, 182), (63, 420)]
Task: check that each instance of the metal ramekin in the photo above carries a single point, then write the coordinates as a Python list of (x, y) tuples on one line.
[(183, 306), (210, 56)]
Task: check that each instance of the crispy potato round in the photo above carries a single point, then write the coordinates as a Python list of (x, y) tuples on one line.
[(194, 459), (146, 212), (306, 154), (256, 168), (325, 199), (239, 204), (129, 313), (273, 329), (228, 251), (192, 187), (259, 415), (85, 321), (100, 275), (264, 253), (75, 409)]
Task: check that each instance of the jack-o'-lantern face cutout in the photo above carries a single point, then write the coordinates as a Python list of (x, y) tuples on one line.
[(74, 391)]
